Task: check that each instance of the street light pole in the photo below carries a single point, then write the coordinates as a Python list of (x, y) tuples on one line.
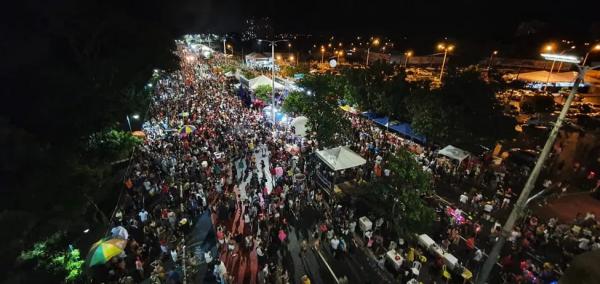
[(521, 203), (595, 48), (224, 49), (445, 48), (135, 116), (406, 56), (490, 61), (129, 123), (375, 42), (443, 64), (273, 42), (322, 54), (273, 82)]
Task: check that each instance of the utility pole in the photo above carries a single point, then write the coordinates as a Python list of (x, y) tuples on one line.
[(443, 64), (273, 42), (273, 82), (521, 203)]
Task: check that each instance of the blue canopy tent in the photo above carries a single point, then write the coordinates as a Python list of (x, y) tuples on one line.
[(406, 130), (383, 121), (402, 128), (369, 115)]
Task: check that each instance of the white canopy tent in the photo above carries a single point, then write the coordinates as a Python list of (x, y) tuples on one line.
[(340, 158), (299, 124), (454, 153), (263, 80)]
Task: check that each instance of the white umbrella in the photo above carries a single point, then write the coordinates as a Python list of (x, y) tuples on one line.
[(299, 124), (120, 232)]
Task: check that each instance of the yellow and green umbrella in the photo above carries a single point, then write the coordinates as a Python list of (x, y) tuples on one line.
[(103, 250)]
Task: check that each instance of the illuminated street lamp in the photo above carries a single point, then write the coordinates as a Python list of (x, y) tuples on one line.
[(445, 48), (273, 43), (595, 48), (322, 53), (135, 117), (524, 199), (407, 55), (375, 42), (339, 53), (549, 48), (495, 52)]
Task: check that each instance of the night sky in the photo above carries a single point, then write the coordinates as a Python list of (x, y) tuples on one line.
[(465, 19), (458, 18)]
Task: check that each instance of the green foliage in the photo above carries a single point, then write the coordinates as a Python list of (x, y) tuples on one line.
[(295, 102), (229, 68), (50, 257), (290, 70), (325, 118), (401, 194), (82, 67), (381, 88), (463, 110), (112, 144), (264, 92), (407, 173), (429, 116), (248, 74)]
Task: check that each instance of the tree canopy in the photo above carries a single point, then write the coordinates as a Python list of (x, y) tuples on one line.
[(321, 107), (463, 110), (295, 102), (401, 194), (381, 88), (264, 92), (72, 72)]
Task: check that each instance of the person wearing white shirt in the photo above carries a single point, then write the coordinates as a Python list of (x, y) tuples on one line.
[(335, 243), (464, 198), (143, 215), (478, 255), (207, 257)]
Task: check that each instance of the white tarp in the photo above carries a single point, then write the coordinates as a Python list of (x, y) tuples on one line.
[(299, 124), (263, 80), (340, 158), (454, 153)]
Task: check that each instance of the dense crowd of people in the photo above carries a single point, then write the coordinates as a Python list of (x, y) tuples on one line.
[(208, 153)]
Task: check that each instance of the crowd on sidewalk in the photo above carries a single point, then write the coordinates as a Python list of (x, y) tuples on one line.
[(206, 152)]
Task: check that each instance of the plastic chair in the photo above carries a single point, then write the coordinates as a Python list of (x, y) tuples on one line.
[(416, 268)]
